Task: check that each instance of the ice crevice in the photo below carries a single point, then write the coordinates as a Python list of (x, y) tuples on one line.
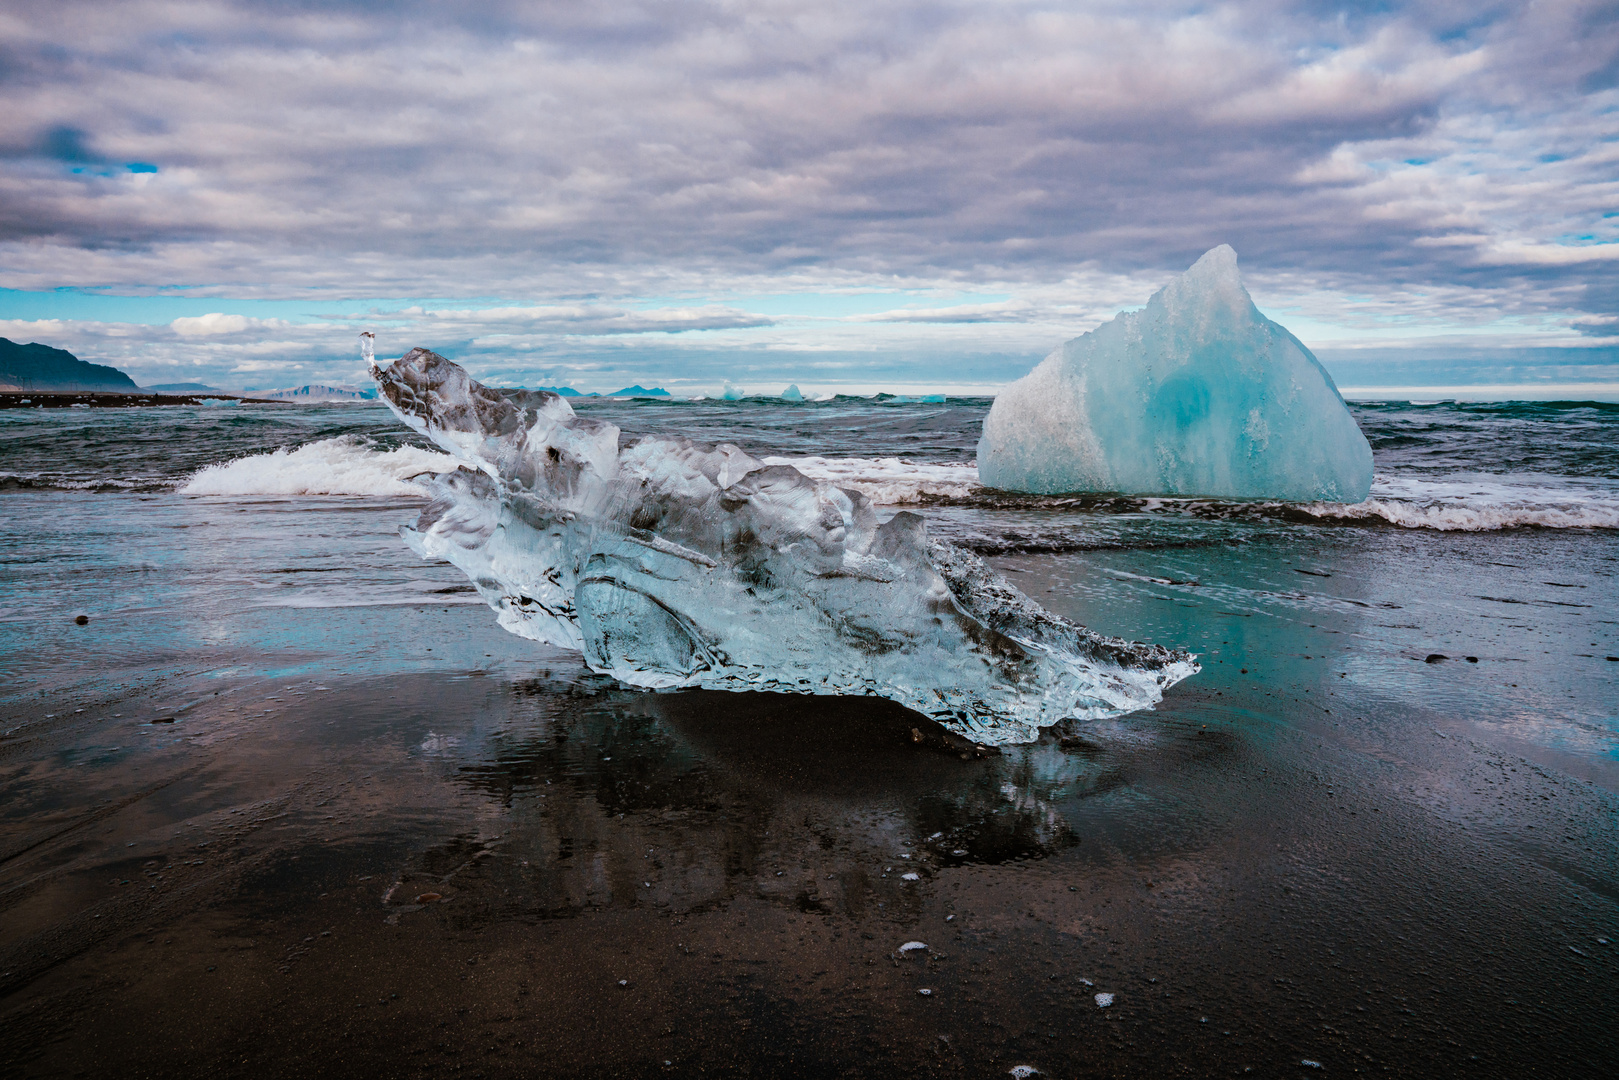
[(671, 563)]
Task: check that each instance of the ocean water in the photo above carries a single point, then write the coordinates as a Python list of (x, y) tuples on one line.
[(1398, 768)]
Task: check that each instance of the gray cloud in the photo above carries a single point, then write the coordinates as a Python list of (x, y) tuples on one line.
[(588, 155)]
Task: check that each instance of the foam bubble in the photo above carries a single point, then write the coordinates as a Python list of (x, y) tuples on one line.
[(341, 466)]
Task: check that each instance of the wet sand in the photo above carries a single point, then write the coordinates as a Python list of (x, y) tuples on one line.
[(512, 868)]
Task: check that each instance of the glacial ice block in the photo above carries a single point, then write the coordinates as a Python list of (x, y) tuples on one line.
[(671, 563), (1196, 394)]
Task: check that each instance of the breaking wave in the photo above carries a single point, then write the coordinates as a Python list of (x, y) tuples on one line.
[(1470, 504), (890, 481), (1483, 504), (345, 465)]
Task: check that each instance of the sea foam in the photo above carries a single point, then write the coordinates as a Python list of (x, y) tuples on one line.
[(1476, 503), (889, 481), (345, 465), (1480, 504)]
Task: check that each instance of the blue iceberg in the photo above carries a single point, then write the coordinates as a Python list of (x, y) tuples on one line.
[(671, 563), (1197, 394)]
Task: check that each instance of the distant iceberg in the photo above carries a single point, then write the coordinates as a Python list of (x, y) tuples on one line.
[(792, 393), (1196, 394), (319, 392), (732, 393), (671, 563)]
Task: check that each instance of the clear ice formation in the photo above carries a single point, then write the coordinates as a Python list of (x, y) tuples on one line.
[(1196, 394), (670, 563)]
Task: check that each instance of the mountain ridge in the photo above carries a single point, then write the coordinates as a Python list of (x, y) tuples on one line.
[(42, 369)]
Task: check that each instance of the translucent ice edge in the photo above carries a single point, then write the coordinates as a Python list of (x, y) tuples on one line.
[(669, 563)]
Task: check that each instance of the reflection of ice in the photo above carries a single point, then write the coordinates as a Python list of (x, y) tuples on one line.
[(669, 563), (624, 799)]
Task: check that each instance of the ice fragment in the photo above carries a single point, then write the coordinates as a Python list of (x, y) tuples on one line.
[(1196, 394), (670, 563), (1103, 1000), (911, 946)]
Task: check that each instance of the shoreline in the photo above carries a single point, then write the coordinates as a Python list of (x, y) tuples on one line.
[(455, 868), (99, 399)]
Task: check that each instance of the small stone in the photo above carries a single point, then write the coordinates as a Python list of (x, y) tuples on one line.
[(624, 983), (924, 991), (429, 897), (1435, 658), (164, 720), (1472, 659), (82, 620)]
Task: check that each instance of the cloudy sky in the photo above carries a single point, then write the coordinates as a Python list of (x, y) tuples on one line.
[(843, 195)]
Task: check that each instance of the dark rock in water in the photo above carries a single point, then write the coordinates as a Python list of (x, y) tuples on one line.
[(164, 720), (1435, 657), (41, 368), (1472, 659), (82, 620)]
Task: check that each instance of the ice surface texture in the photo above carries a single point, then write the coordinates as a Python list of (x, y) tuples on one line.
[(672, 563), (1196, 394)]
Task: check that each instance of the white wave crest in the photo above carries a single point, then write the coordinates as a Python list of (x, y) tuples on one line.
[(341, 466), (889, 481), (1481, 504)]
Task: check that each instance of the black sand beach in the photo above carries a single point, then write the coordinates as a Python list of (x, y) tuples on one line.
[(475, 872), (290, 803)]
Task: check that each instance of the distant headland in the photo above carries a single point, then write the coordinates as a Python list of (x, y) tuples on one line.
[(42, 369)]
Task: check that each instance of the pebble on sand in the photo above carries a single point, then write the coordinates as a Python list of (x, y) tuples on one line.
[(82, 620), (429, 897)]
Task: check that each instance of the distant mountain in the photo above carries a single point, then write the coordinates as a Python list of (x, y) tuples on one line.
[(319, 392), (185, 388), (44, 369), (565, 391)]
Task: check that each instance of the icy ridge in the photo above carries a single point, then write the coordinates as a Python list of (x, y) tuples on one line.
[(670, 563)]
